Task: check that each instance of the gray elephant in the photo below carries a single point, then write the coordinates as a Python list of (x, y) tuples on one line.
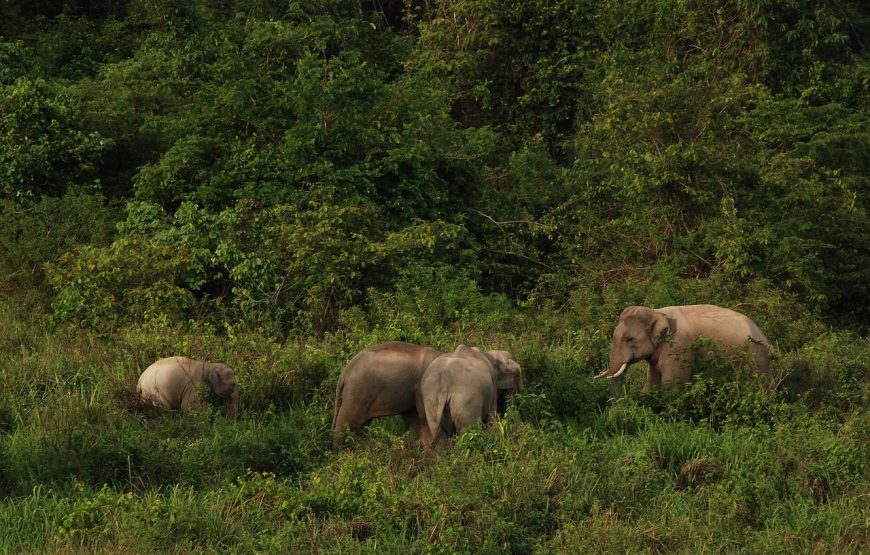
[(668, 337), (462, 388), (382, 381), (171, 384)]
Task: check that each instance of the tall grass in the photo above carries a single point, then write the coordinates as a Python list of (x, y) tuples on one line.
[(724, 465)]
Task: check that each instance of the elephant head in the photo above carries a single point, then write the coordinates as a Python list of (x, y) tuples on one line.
[(222, 381), (638, 336), (508, 373), (508, 376)]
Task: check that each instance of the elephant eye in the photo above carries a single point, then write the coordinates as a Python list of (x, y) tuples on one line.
[(629, 339)]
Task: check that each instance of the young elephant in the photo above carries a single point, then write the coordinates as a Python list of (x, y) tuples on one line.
[(462, 388), (170, 383), (665, 337), (382, 381)]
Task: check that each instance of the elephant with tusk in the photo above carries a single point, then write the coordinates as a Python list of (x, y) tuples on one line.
[(666, 338), (171, 383)]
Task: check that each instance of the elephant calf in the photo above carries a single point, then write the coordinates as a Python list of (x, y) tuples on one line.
[(382, 381), (666, 338), (170, 384), (462, 388)]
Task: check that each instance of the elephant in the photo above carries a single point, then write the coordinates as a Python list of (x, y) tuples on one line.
[(171, 383), (462, 388), (382, 380), (667, 339)]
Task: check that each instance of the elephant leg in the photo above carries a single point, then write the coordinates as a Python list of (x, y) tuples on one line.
[(439, 415), (653, 380), (467, 412), (191, 401), (420, 425), (421, 421), (490, 415), (672, 372), (351, 415)]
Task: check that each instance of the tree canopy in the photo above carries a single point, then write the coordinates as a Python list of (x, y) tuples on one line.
[(272, 164)]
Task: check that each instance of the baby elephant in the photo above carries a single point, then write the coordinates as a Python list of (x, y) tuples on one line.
[(170, 383), (462, 388)]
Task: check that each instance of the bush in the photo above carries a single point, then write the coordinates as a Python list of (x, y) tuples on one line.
[(828, 374), (43, 148), (435, 302), (34, 233)]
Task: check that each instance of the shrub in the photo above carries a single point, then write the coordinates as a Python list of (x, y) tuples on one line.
[(34, 233), (828, 373), (43, 147)]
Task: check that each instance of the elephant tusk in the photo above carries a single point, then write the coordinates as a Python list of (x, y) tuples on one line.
[(600, 375), (620, 371)]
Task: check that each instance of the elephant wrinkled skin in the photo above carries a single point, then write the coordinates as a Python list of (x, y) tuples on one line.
[(170, 384), (666, 338), (462, 388), (382, 381)]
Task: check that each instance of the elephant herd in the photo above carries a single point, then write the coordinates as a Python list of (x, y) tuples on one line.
[(437, 393), (440, 393)]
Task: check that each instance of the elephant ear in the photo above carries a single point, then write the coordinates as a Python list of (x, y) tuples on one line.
[(509, 380), (508, 373), (660, 327), (488, 356), (518, 379)]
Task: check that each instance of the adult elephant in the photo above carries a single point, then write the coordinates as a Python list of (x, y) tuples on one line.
[(668, 337), (171, 384), (462, 388), (382, 381)]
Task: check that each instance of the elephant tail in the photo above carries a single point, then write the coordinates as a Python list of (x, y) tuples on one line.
[(337, 405), (447, 427), (442, 424)]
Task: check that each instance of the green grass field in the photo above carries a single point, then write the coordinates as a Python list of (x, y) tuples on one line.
[(726, 466)]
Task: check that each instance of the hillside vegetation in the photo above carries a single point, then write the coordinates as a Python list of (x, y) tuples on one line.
[(279, 184)]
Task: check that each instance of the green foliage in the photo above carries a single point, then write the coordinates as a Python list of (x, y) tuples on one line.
[(264, 268), (577, 147), (428, 300), (828, 374), (44, 149), (15, 60), (33, 232), (298, 181), (77, 47)]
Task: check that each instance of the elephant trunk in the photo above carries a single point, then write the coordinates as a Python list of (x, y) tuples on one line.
[(233, 406), (618, 363), (619, 371), (617, 366)]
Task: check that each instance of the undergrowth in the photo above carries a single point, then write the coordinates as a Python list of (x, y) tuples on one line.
[(727, 462)]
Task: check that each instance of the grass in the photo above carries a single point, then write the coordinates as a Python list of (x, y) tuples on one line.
[(724, 465)]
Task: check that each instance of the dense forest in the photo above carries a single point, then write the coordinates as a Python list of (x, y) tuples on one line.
[(278, 184)]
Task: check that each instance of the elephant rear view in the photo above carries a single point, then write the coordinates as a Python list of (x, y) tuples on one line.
[(171, 383), (382, 380), (461, 389)]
